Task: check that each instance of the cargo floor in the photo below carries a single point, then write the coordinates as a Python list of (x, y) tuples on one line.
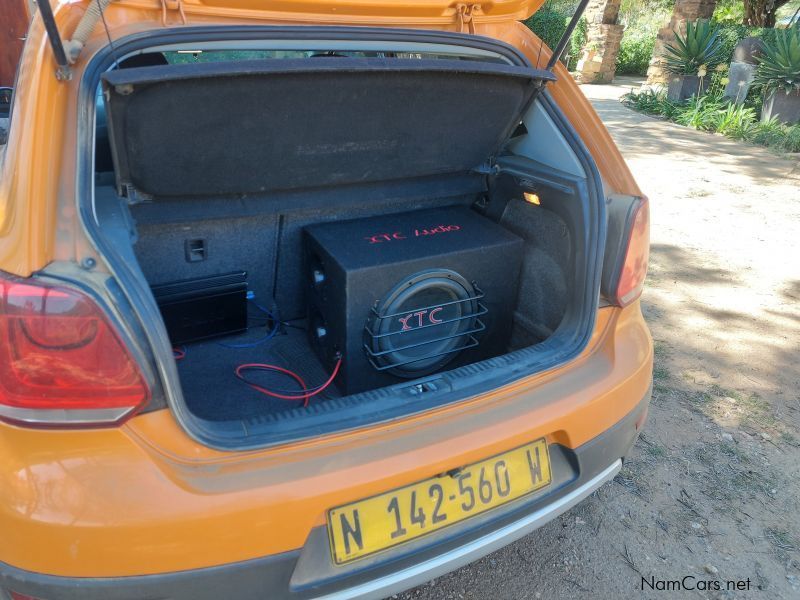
[(213, 392)]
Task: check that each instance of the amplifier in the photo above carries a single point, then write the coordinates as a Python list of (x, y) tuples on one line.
[(402, 296), (196, 309)]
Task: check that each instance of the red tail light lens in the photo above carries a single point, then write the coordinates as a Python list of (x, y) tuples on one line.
[(637, 254), (61, 361), (17, 596)]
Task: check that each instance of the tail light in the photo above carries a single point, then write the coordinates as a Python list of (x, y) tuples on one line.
[(18, 596), (637, 255), (61, 361)]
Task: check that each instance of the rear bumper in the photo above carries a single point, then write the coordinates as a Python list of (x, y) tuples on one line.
[(308, 573)]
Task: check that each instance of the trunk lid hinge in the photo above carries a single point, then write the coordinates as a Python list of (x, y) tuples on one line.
[(172, 5), (465, 14)]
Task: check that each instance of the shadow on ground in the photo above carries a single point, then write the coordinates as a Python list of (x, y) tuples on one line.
[(664, 139)]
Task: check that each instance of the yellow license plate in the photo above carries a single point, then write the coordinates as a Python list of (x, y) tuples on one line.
[(368, 526)]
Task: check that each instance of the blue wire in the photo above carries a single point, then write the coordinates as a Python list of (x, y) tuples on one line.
[(271, 334), (266, 338), (262, 309)]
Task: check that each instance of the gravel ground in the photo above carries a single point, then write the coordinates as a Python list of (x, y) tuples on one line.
[(712, 488)]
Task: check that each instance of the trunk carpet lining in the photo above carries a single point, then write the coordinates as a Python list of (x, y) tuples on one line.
[(212, 391), (272, 256)]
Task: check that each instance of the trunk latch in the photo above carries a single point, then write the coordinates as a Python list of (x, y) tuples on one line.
[(465, 14)]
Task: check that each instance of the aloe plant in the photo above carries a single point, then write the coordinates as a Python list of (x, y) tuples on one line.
[(779, 66), (701, 46)]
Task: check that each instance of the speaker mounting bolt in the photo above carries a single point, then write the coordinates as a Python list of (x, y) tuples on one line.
[(321, 332), (318, 276)]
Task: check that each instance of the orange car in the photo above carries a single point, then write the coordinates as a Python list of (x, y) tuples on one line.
[(319, 300)]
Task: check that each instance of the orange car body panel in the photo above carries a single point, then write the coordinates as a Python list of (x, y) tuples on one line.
[(145, 498)]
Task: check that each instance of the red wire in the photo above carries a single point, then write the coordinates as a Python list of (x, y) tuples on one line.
[(178, 353), (263, 390), (303, 394)]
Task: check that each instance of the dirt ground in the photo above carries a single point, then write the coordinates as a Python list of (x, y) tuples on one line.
[(712, 488)]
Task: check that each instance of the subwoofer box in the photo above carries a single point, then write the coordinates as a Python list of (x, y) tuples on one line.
[(402, 296)]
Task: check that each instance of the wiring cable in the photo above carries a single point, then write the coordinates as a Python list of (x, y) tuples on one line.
[(303, 394), (269, 335), (271, 317), (180, 353)]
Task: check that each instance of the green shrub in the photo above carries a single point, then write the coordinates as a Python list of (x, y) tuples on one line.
[(700, 112), (767, 133), (636, 47), (729, 11), (635, 52), (576, 42), (670, 110), (549, 25), (712, 113), (699, 46), (646, 101), (779, 67), (550, 22), (733, 33), (736, 121), (792, 140), (645, 15), (774, 134), (642, 20)]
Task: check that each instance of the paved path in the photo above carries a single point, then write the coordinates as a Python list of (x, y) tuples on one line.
[(712, 489)]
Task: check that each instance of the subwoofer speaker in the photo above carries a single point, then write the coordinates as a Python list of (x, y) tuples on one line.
[(423, 323), (402, 296)]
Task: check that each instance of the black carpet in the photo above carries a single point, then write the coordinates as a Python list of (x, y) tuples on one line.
[(213, 392)]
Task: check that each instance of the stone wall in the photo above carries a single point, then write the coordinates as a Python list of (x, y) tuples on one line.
[(684, 11), (598, 60)]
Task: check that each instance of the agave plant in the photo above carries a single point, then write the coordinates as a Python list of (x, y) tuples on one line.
[(700, 47), (779, 66)]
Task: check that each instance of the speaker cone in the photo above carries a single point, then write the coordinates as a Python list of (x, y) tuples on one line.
[(422, 323)]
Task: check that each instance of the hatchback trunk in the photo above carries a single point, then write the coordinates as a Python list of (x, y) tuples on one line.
[(220, 166)]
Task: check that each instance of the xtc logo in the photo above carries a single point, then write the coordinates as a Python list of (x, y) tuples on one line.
[(380, 238), (421, 317), (384, 237)]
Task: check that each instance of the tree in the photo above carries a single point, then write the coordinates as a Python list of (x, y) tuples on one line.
[(761, 13)]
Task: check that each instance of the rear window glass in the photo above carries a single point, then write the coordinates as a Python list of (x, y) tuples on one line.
[(189, 56)]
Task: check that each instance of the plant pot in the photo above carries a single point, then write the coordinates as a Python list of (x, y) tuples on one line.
[(748, 50), (682, 87), (782, 106), (740, 78)]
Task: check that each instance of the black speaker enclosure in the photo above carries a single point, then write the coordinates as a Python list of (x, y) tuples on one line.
[(403, 296)]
